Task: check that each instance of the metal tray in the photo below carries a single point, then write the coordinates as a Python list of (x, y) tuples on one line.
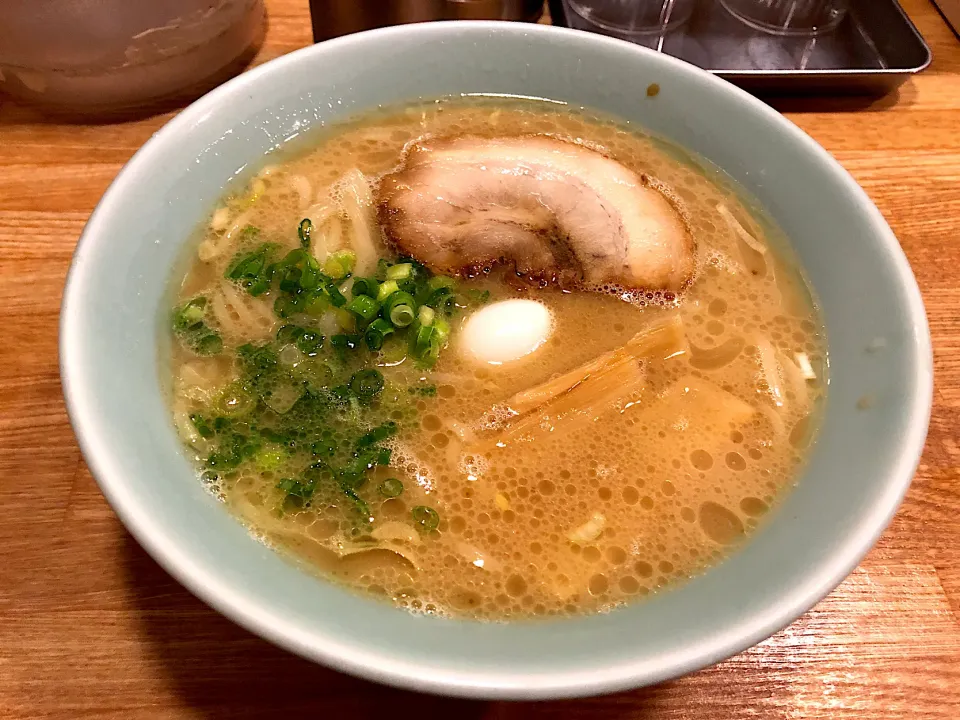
[(873, 51)]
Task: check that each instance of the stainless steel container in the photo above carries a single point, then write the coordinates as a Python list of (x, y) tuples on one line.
[(332, 18)]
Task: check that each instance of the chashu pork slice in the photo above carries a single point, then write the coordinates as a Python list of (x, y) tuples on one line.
[(552, 208)]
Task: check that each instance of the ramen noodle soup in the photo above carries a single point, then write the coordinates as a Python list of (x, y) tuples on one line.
[(496, 360)]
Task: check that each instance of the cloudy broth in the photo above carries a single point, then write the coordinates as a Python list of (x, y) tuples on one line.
[(619, 487)]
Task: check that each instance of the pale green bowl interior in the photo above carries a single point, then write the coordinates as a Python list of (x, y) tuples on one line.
[(114, 315)]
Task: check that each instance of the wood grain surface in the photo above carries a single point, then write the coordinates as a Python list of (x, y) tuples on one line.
[(90, 627)]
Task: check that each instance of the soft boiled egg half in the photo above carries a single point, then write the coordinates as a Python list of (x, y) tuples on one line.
[(505, 331)]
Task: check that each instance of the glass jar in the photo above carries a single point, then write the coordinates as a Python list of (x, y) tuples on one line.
[(634, 20), (789, 17)]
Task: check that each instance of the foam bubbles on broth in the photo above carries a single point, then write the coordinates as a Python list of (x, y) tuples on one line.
[(678, 478)]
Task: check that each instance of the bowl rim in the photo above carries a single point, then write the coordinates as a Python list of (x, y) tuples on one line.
[(399, 671)]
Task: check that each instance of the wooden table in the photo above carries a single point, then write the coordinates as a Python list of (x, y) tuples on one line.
[(90, 626)]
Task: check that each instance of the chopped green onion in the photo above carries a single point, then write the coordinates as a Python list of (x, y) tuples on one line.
[(362, 508), (248, 265), (441, 330), (223, 460), (401, 315), (441, 299), (345, 319), (259, 286), (270, 457), (251, 270), (364, 306), (340, 264), (399, 272), (418, 267), (437, 294), (347, 258), (257, 360), (378, 434), (298, 490), (426, 315), (400, 308), (293, 258), (422, 338), (334, 269), (318, 471), (190, 316), (310, 276), (202, 426), (431, 355), (290, 280), (391, 488), (367, 383), (289, 334), (387, 289), (376, 332), (284, 306), (441, 281), (425, 343), (345, 342), (336, 297), (309, 342), (299, 271), (317, 306), (324, 448), (426, 518), (343, 395), (209, 344), (409, 286), (364, 286), (304, 230), (352, 474)]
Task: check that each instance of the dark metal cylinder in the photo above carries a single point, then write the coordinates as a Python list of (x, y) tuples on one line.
[(332, 18)]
